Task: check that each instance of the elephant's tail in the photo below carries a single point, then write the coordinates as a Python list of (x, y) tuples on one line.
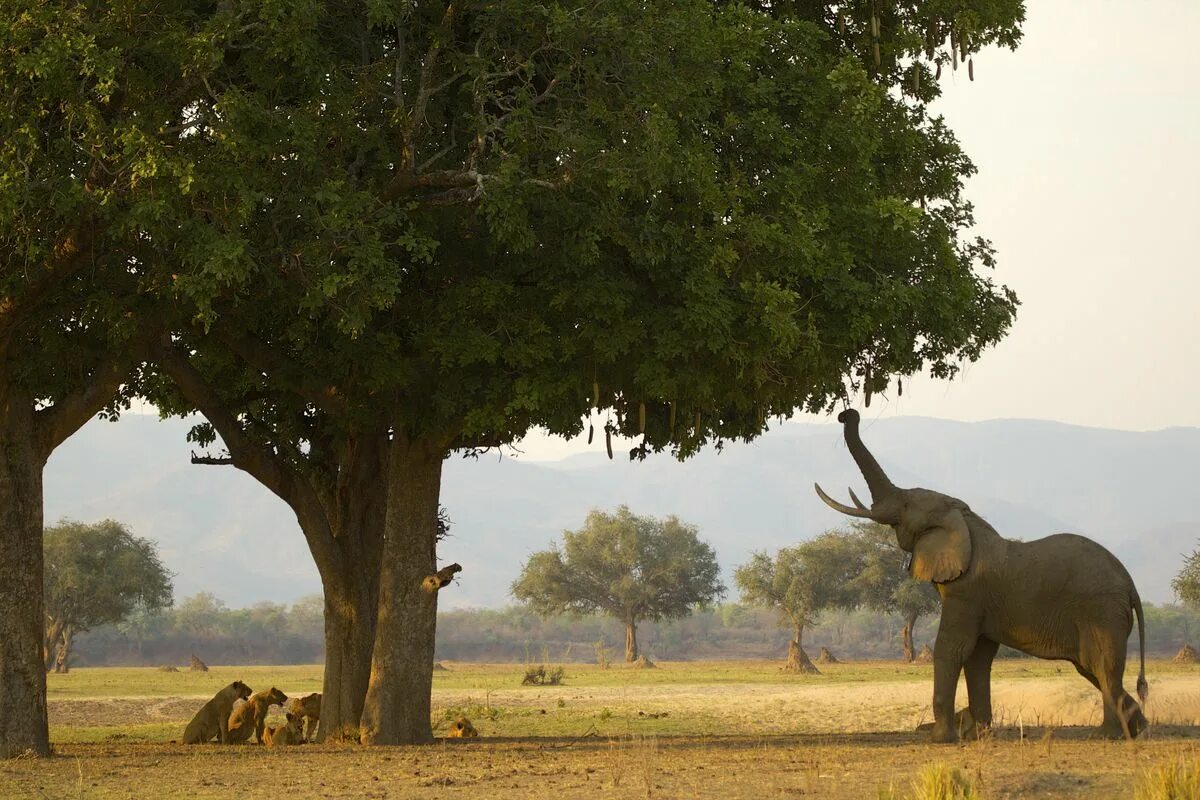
[(1143, 688)]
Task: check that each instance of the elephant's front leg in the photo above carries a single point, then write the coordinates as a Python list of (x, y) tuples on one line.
[(978, 668), (957, 635)]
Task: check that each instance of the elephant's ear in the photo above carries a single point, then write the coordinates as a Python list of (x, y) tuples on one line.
[(943, 553)]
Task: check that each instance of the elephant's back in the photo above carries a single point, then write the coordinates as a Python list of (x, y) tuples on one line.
[(1072, 554), (1071, 575)]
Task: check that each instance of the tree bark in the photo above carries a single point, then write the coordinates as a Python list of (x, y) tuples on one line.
[(23, 726), (350, 613), (906, 634), (397, 706), (349, 567), (53, 634), (631, 645), (62, 662)]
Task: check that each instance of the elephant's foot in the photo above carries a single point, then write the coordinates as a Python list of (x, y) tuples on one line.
[(944, 733), (1114, 728)]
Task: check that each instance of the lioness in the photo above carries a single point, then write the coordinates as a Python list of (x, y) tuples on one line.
[(251, 716), (284, 734), (213, 717), (462, 728), (307, 708)]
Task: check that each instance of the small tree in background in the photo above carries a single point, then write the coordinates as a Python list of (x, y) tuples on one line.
[(96, 574), (883, 584), (629, 567), (1186, 584), (800, 582)]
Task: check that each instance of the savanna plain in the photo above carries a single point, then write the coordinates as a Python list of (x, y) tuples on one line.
[(694, 729)]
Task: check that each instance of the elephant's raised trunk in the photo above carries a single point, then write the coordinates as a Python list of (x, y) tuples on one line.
[(877, 480)]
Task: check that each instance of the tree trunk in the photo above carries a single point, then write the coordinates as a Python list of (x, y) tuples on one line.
[(53, 635), (23, 726), (798, 660), (397, 706), (354, 520), (62, 662), (906, 634), (350, 612), (631, 646)]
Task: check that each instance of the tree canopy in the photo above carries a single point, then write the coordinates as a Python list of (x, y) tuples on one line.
[(97, 574), (629, 567), (805, 579)]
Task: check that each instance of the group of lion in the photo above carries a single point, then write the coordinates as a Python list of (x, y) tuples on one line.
[(229, 722)]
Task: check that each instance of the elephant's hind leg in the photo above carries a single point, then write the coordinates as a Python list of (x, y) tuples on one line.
[(978, 669), (1104, 666)]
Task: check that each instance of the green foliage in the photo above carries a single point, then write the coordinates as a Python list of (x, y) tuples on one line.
[(482, 215), (87, 92), (1186, 583), (623, 565), (805, 579), (101, 573)]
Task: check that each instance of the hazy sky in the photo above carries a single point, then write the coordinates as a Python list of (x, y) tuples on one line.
[(1087, 141)]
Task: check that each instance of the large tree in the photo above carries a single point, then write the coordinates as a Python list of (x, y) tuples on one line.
[(420, 227), (97, 574), (884, 585), (629, 567), (800, 582), (85, 90)]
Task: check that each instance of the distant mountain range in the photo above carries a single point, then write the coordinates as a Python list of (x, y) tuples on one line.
[(219, 531)]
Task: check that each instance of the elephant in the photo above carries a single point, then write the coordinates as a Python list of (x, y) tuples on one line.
[(1063, 597)]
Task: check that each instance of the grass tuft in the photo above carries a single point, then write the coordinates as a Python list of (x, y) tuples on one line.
[(937, 782), (1174, 779)]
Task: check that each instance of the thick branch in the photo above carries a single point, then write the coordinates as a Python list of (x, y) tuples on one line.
[(61, 420), (426, 89), (212, 460), (245, 452), (265, 358)]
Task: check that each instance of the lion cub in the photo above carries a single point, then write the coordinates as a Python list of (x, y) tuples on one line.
[(462, 729), (308, 709), (213, 717), (251, 716), (283, 735)]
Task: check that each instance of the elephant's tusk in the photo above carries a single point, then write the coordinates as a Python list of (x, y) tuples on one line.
[(854, 497), (836, 506)]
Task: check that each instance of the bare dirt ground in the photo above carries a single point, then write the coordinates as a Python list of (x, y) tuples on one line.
[(685, 730), (1052, 764)]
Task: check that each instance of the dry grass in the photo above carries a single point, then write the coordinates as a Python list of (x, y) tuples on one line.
[(1175, 778), (937, 781), (683, 730)]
